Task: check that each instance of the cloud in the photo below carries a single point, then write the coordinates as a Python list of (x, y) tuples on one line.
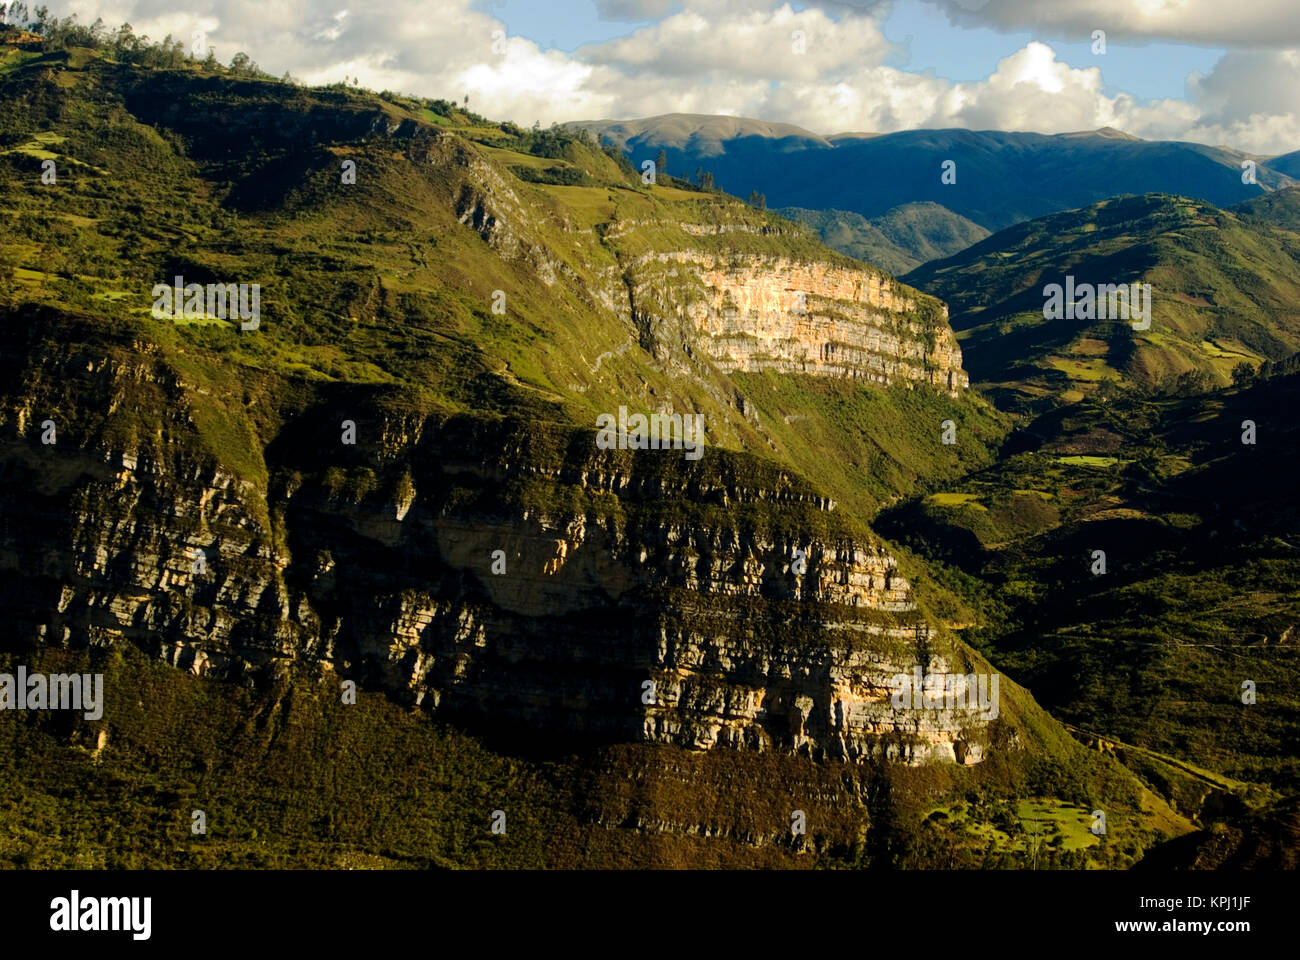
[(765, 45), (1251, 99), (731, 57), (1257, 23)]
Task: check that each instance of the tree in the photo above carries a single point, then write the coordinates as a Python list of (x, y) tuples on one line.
[(18, 15), (661, 164), (242, 65), (1242, 374), (1186, 384), (706, 181), (51, 260), (1107, 390), (757, 200), (124, 39)]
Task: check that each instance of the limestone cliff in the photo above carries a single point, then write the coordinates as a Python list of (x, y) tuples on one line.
[(473, 553), (754, 313), (760, 617), (738, 310)]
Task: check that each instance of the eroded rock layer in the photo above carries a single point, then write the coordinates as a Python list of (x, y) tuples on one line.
[(518, 577)]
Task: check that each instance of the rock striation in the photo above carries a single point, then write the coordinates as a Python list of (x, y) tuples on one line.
[(514, 577)]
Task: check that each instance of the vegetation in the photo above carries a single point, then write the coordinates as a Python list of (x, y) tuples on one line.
[(898, 240), (289, 776), (379, 305), (1224, 286), (1198, 592)]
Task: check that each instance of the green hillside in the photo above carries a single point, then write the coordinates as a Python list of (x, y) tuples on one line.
[(1225, 285), (381, 281), (898, 240), (1201, 539)]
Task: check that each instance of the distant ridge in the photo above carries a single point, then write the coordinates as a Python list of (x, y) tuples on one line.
[(1227, 285), (871, 174), (704, 132)]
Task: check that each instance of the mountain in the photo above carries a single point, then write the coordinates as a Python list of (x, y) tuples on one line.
[(1225, 284), (899, 240), (701, 135), (1267, 839), (871, 175), (1279, 210), (371, 562), (1288, 163)]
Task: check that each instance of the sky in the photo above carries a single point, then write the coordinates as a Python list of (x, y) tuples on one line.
[(1202, 70)]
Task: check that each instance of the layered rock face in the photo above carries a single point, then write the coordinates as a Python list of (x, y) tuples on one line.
[(755, 313), (738, 311), (514, 577), (503, 571)]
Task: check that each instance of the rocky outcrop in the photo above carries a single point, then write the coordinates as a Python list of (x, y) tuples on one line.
[(738, 311), (754, 313), (507, 576), (505, 571)]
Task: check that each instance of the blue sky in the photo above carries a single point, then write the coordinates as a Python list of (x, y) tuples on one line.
[(926, 39)]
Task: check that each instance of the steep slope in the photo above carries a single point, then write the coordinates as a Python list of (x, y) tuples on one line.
[(1288, 163), (394, 476), (680, 290), (870, 175), (1224, 288), (647, 297)]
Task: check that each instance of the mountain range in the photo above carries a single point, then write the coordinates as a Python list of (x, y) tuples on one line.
[(998, 178)]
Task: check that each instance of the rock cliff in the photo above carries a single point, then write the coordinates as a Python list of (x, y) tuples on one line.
[(473, 553), (635, 596), (754, 313)]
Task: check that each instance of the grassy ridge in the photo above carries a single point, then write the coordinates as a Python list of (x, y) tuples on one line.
[(388, 281), (1225, 284), (898, 240)]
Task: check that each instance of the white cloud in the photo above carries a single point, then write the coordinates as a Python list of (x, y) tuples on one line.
[(736, 57), (759, 44), (1256, 23)]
